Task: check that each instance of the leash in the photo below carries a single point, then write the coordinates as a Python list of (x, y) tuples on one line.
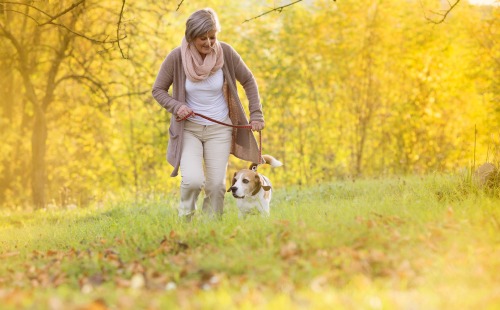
[(228, 125)]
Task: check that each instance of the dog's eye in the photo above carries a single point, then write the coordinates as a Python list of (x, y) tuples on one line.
[(245, 181)]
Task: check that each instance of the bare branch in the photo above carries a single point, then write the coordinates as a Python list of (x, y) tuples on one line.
[(278, 9), (443, 15), (52, 18), (99, 86), (81, 79), (28, 5), (179, 5), (129, 94), (30, 89), (86, 37), (118, 31), (72, 7), (22, 13)]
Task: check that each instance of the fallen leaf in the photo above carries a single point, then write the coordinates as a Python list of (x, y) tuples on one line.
[(289, 250), (318, 283), (97, 304), (9, 254), (52, 253), (138, 281), (172, 234)]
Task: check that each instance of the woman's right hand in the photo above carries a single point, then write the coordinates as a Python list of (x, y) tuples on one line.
[(184, 111)]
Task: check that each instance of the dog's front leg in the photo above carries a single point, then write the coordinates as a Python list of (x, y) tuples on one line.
[(241, 214), (263, 208)]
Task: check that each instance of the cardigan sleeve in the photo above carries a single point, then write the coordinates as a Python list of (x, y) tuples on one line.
[(245, 77), (164, 81)]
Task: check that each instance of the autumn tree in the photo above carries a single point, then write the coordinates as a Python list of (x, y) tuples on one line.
[(349, 88), (41, 37)]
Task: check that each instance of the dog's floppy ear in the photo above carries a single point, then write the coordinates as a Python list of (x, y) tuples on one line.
[(264, 187), (234, 181), (259, 181), (258, 184)]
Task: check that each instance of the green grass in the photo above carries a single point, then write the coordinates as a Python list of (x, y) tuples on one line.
[(401, 243)]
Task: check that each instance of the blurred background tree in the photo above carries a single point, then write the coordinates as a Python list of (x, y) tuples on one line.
[(349, 88)]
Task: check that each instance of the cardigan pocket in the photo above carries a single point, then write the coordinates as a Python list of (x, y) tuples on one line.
[(173, 146)]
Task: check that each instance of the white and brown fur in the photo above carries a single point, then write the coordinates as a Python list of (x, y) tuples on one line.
[(252, 189)]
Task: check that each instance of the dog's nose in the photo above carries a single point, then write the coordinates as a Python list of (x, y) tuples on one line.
[(233, 188)]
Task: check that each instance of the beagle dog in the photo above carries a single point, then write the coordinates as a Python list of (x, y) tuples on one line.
[(253, 190)]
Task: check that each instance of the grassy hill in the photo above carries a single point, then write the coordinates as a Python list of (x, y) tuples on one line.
[(403, 243)]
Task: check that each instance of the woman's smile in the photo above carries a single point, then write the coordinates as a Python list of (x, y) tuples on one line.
[(204, 43)]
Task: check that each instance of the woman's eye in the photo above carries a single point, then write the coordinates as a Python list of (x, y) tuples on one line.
[(245, 181)]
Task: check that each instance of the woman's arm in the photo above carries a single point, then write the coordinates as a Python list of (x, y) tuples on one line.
[(245, 77), (164, 80)]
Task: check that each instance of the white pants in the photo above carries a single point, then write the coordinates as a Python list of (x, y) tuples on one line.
[(209, 145)]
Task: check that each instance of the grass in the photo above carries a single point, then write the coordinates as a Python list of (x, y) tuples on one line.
[(401, 243)]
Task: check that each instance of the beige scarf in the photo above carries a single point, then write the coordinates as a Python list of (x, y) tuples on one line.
[(196, 68)]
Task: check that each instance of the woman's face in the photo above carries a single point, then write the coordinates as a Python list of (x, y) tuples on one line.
[(205, 43)]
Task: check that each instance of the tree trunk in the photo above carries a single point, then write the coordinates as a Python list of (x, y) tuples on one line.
[(6, 111), (39, 170)]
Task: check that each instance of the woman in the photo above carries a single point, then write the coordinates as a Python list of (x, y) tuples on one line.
[(203, 72)]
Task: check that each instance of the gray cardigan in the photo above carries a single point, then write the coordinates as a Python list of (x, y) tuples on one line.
[(244, 145)]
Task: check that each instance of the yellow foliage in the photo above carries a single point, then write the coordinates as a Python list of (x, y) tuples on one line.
[(349, 88)]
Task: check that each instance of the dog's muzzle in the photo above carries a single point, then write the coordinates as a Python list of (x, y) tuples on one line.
[(233, 190)]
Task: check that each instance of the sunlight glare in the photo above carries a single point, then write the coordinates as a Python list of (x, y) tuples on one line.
[(485, 2)]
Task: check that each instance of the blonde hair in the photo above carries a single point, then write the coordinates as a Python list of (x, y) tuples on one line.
[(201, 22)]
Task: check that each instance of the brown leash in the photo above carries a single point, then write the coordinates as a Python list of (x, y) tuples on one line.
[(228, 125)]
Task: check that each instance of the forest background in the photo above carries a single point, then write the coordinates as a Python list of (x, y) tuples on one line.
[(349, 89)]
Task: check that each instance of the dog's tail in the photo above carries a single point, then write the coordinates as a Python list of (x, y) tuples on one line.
[(268, 159)]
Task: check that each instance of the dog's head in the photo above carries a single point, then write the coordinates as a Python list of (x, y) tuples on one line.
[(246, 183)]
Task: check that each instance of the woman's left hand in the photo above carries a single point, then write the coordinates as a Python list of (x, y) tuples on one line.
[(257, 125)]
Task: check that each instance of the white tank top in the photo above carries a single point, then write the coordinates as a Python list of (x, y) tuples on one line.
[(206, 97)]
